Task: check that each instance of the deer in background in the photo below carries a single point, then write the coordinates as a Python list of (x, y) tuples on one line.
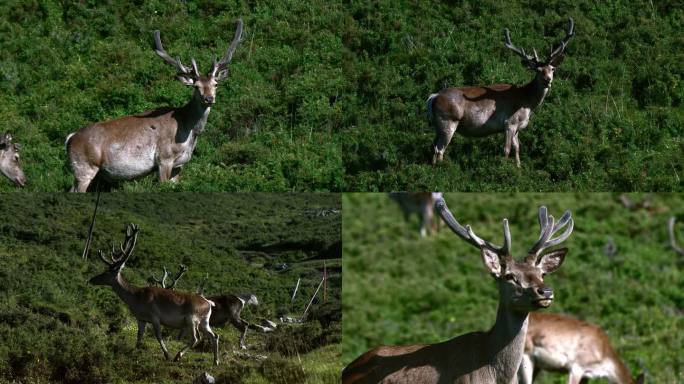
[(421, 203), (9, 160), (153, 281), (154, 305), (163, 139), (482, 111), (478, 357), (561, 343)]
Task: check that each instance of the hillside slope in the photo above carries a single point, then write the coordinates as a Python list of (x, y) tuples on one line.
[(56, 327)]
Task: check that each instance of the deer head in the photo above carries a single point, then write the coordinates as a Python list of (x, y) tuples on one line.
[(544, 69), (118, 258), (521, 282), (205, 85), (9, 160)]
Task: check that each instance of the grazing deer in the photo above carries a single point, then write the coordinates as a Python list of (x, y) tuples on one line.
[(561, 343), (421, 203), (154, 305), (478, 357), (9, 160), (482, 111), (162, 139)]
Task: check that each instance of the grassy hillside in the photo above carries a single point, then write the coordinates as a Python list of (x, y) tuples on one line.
[(275, 124), (613, 120), (55, 327), (400, 289)]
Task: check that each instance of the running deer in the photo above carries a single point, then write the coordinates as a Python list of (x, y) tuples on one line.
[(154, 305), (478, 357), (9, 160), (421, 203), (163, 139), (561, 343), (482, 111)]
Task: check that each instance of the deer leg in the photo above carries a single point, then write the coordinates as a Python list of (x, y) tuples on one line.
[(575, 376), (509, 141), (426, 226), (158, 335), (516, 148), (83, 176), (526, 370), (175, 174), (444, 131), (141, 333), (191, 344), (213, 338)]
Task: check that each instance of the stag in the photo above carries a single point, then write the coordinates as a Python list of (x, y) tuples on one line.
[(9, 160), (478, 357), (154, 305), (421, 203), (163, 139), (561, 343), (482, 111)]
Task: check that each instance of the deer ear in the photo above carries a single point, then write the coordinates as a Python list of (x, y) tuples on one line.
[(551, 261), (187, 80), (492, 261)]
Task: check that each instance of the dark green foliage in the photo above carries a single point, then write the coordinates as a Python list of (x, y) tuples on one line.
[(400, 289), (277, 117), (55, 327), (613, 120)]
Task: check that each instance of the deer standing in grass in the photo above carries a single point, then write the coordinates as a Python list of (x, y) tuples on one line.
[(482, 111), (478, 357), (163, 139), (9, 160), (561, 343), (421, 203), (154, 305)]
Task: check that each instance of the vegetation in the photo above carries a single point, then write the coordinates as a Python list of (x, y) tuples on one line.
[(55, 327), (613, 120), (401, 289), (276, 122)]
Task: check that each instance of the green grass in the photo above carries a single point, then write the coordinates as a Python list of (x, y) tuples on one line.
[(55, 327), (401, 289)]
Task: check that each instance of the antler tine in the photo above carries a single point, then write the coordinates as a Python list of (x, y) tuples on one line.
[(467, 233), (159, 50), (181, 271), (102, 256), (519, 51), (547, 228), (229, 53), (673, 241), (563, 43), (194, 67)]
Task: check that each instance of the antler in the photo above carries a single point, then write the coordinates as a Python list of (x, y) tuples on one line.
[(125, 248), (176, 63), (162, 282), (182, 269), (673, 241), (561, 46), (519, 51), (220, 65), (548, 228), (200, 288), (467, 233)]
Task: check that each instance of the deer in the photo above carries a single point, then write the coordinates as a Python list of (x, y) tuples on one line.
[(562, 343), (154, 305), (421, 203), (162, 139), (478, 357), (10, 165), (486, 110)]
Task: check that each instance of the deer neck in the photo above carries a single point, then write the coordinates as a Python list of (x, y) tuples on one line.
[(195, 114), (535, 91), (125, 290), (506, 342)]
